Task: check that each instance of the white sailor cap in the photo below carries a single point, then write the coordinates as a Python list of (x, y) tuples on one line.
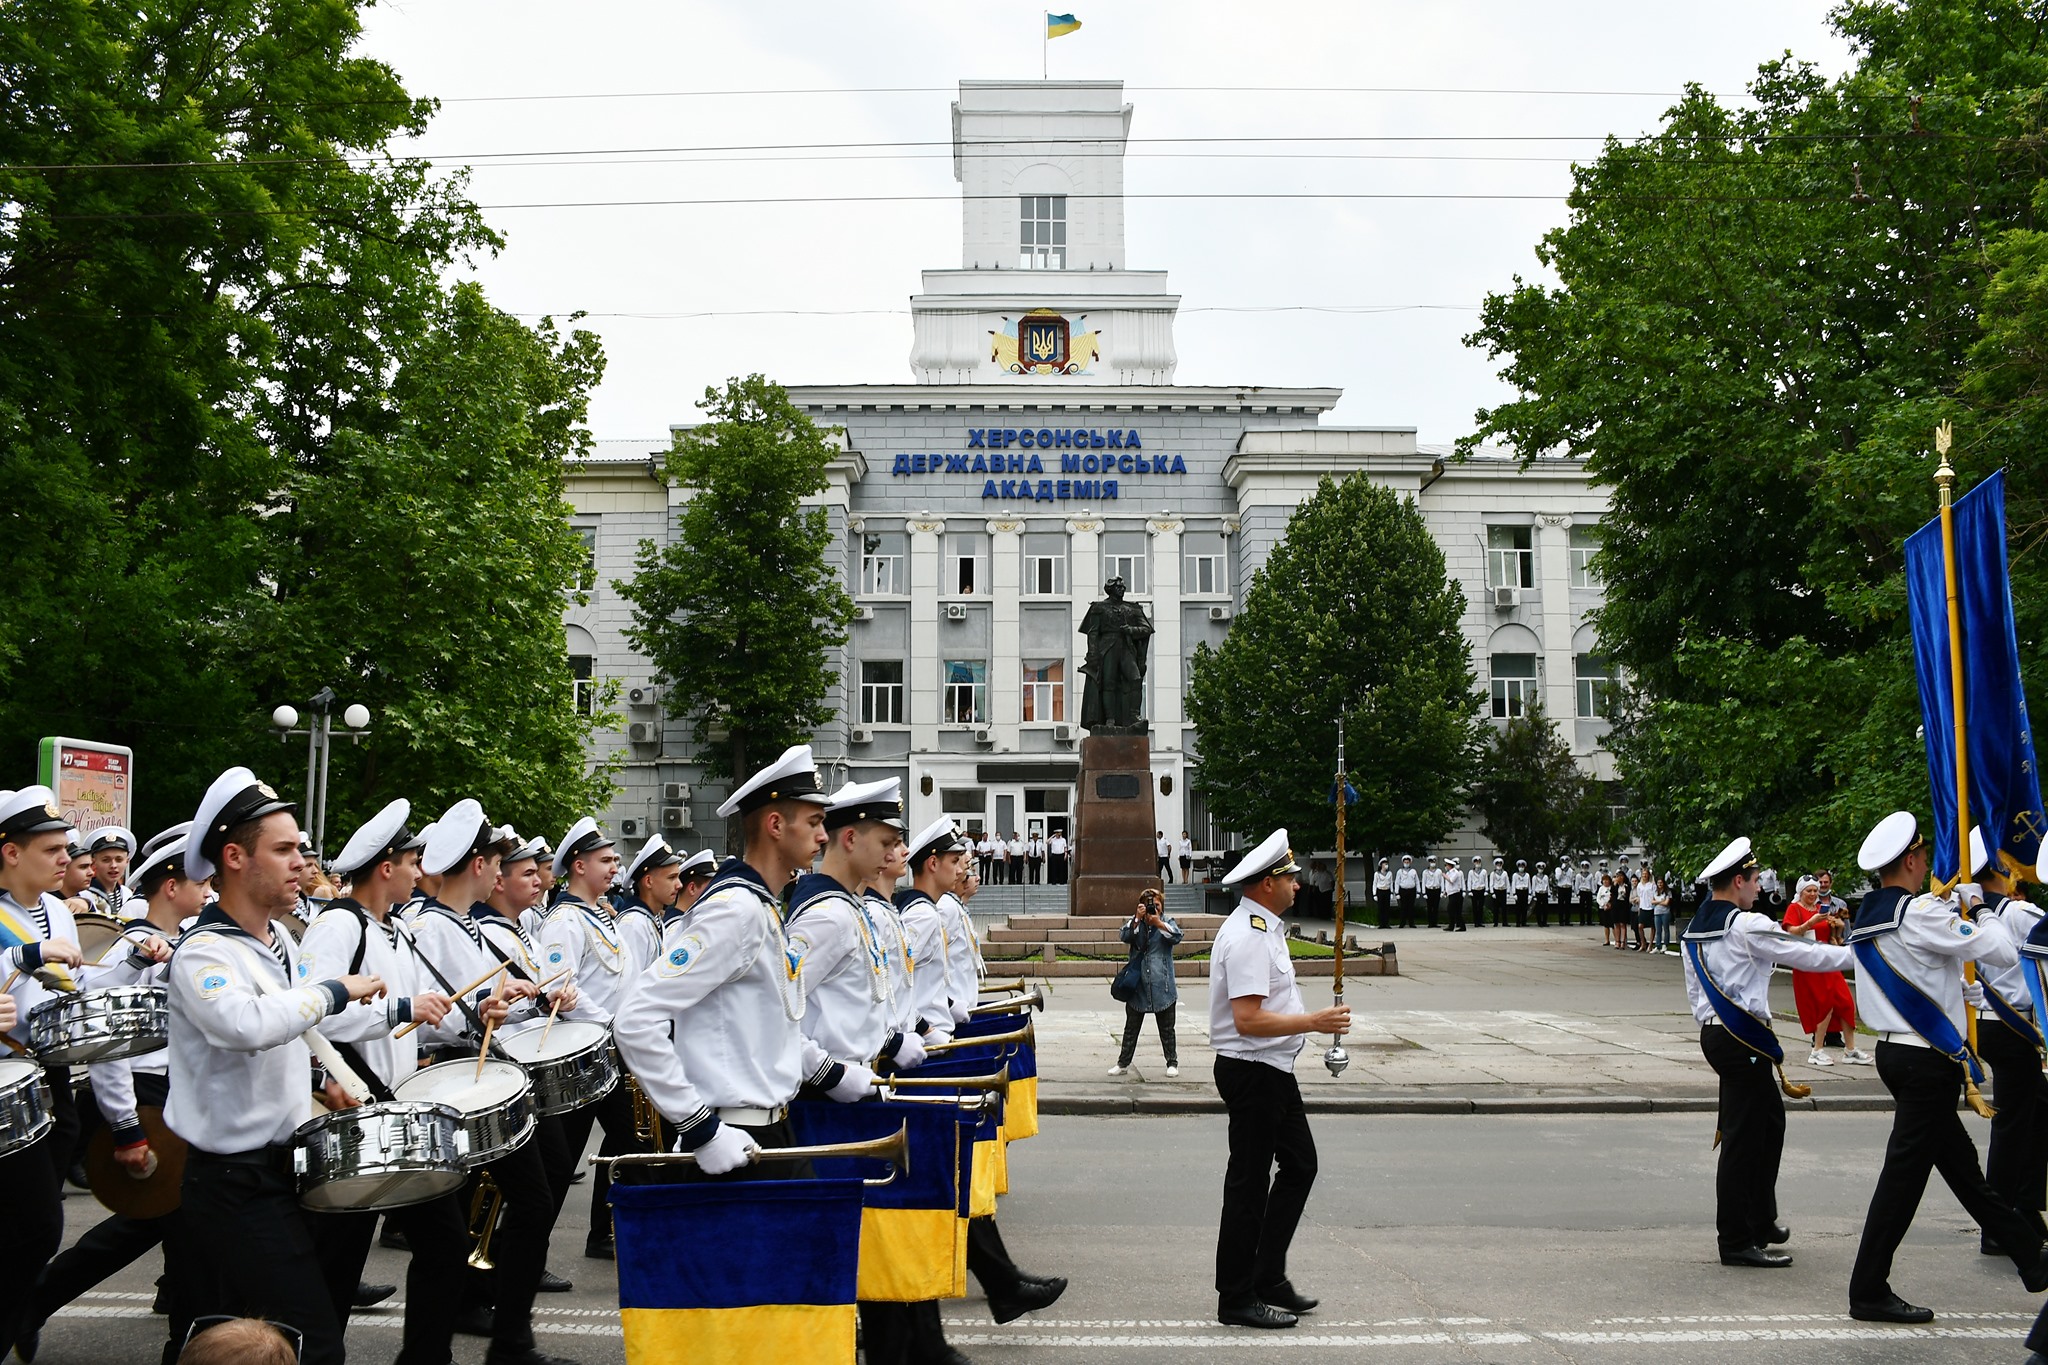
[(74, 844), (169, 854), (28, 812), (524, 849), (164, 836), (235, 796), (1737, 856), (1477, 861), (1383, 862), (792, 777), (460, 834), (110, 836), (702, 863), (940, 836), (857, 801), (654, 855), (1585, 864), (1539, 866), (583, 837), (382, 836), (1895, 836), (1518, 862), (1979, 855), (1431, 860), (1407, 857), (1272, 858)]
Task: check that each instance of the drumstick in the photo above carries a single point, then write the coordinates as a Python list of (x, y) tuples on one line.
[(554, 1011), (459, 994), (490, 1022)]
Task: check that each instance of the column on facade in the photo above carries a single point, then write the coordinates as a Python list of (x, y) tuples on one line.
[(1167, 654), (1084, 580), (921, 669), (1552, 543), (1006, 663)]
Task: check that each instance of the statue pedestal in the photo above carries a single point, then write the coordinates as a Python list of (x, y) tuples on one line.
[(1115, 852)]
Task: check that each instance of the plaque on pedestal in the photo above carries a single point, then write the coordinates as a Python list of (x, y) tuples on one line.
[(1116, 853)]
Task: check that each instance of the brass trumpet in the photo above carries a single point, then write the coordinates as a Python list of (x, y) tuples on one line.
[(995, 1083), (646, 1118), (997, 987), (1036, 998), (894, 1149), (1022, 1035), (483, 1221)]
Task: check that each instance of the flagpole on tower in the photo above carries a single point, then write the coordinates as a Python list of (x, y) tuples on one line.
[(1045, 47)]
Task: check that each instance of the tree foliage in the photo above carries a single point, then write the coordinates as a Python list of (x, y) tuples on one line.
[(1533, 800), (1761, 312), (740, 612), (222, 302), (1351, 613)]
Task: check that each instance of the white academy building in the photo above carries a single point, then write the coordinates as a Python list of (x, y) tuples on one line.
[(1040, 446)]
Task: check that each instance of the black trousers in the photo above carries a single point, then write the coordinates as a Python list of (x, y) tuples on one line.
[(438, 1233), (1034, 868), (1928, 1135), (31, 1228), (531, 1179), (1433, 904), (1752, 1124), (615, 1113), (253, 1254), (1542, 910), (2016, 1161), (1456, 901), (1500, 908), (1261, 1209), (1056, 869), (1134, 1024)]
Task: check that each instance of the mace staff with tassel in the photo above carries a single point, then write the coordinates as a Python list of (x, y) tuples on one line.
[(1336, 1059)]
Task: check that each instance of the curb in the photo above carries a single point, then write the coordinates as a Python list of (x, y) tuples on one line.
[(1101, 1105)]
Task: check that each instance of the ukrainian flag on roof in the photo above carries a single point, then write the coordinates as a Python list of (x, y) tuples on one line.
[(1060, 25)]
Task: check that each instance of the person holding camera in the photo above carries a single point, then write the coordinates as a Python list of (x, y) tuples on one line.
[(1145, 984)]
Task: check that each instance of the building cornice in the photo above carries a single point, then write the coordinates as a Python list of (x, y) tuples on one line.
[(1041, 395)]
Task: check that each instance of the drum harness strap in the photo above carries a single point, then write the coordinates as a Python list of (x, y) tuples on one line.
[(475, 1020)]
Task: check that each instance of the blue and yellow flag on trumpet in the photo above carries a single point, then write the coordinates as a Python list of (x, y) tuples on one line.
[(912, 1248), (1060, 25), (735, 1273), (2005, 786)]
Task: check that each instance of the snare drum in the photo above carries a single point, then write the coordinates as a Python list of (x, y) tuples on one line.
[(105, 1025), (496, 1107), (380, 1156), (574, 1068), (24, 1104)]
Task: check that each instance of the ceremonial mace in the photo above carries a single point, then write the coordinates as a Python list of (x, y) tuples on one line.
[(1337, 1058)]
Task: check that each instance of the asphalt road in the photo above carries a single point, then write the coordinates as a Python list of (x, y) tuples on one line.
[(1474, 1239)]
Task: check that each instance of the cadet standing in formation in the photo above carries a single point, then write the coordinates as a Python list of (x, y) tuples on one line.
[(1406, 884), (1539, 893), (1432, 889)]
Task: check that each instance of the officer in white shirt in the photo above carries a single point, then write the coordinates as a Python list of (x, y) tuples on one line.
[(1737, 949), (939, 861), (1163, 847), (1257, 1024), (241, 1006), (1910, 949), (1056, 858), (2008, 1039), (1432, 890), (1407, 881), (1034, 856), (712, 1032), (984, 852), (1539, 895), (1017, 850), (1454, 897)]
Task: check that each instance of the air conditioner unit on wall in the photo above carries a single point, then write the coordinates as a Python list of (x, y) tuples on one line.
[(1063, 734), (984, 736), (643, 732), (1219, 613), (629, 828), (1506, 598), (646, 694), (863, 613), (675, 793), (861, 736), (675, 817), (956, 611)]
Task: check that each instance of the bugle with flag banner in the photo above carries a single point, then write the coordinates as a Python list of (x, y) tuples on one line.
[(984, 1160), (1033, 999), (1020, 1058), (913, 1248), (965, 1039), (894, 1149), (995, 1083)]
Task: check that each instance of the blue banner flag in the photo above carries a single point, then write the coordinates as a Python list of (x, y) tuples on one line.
[(1350, 794), (2005, 788), (733, 1273), (1020, 1110), (912, 1249)]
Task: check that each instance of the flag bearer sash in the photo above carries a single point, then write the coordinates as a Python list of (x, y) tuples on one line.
[(2033, 955), (734, 1273), (913, 1247), (1020, 1110), (1877, 919)]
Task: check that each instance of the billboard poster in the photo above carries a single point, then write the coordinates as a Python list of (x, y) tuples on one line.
[(94, 782)]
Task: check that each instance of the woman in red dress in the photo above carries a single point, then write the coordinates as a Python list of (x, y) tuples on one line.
[(1825, 1002)]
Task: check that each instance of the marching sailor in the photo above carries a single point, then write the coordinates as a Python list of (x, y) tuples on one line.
[(110, 849), (77, 875), (1406, 883), (359, 932), (2009, 1041), (654, 878), (242, 1005), (964, 967), (1910, 949), (1432, 888), (1257, 1020), (1730, 951), (940, 859), (691, 880)]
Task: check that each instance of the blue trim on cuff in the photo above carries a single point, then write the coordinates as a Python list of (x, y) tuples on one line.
[(401, 1010), (129, 1134), (31, 957), (829, 1075), (893, 1046), (698, 1133), (337, 996)]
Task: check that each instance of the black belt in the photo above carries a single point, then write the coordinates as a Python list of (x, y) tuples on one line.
[(276, 1157)]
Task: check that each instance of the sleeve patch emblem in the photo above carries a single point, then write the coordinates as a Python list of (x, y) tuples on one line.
[(677, 960)]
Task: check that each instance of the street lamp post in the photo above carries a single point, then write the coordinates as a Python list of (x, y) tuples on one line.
[(319, 733)]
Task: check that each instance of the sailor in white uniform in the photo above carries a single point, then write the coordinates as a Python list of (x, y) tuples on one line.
[(940, 859), (964, 967), (691, 880), (110, 849), (1910, 949), (712, 1032), (844, 952), (1257, 1024), (1738, 949), (654, 879), (2009, 1041), (1432, 889), (1406, 883), (1497, 892), (242, 1005), (1539, 894)]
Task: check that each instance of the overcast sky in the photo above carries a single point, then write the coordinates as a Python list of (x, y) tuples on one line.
[(685, 296)]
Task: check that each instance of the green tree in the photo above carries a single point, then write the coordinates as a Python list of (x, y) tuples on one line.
[(1352, 613), (1533, 800), (741, 612), (1760, 313)]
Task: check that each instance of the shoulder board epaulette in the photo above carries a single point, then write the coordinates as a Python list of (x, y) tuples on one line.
[(1257, 922)]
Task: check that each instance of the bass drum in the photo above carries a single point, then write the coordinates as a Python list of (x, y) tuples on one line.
[(25, 1114)]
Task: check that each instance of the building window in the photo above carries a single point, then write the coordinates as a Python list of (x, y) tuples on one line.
[(1205, 564), (1514, 684), (1042, 232), (1585, 543), (1128, 555), (884, 564), (582, 686), (970, 804), (1045, 564), (1045, 690), (881, 692), (966, 564), (1510, 557), (1594, 685), (966, 698), (586, 573)]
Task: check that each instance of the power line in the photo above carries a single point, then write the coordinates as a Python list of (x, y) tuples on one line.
[(1344, 309)]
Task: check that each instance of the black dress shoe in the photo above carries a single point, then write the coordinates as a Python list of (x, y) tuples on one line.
[(76, 1175), (391, 1239), (1255, 1315), (1779, 1236), (2035, 1276), (475, 1321), (27, 1345), (1890, 1308), (598, 1246), (370, 1295), (1285, 1296), (551, 1283), (1028, 1297), (1756, 1258), (1987, 1247), (529, 1356), (945, 1356)]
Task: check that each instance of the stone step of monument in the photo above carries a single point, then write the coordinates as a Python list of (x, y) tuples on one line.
[(1112, 934), (1113, 923), (1185, 970)]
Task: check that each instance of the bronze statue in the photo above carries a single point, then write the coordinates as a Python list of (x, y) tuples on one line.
[(1113, 696)]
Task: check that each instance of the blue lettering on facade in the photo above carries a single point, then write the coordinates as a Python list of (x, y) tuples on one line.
[(1116, 440), (988, 490), (902, 465), (1034, 466), (980, 465), (1063, 438), (1180, 466), (974, 438), (956, 464), (1095, 439), (1131, 440), (1027, 439), (1045, 490), (1009, 437), (1074, 440), (1109, 489), (1069, 464)]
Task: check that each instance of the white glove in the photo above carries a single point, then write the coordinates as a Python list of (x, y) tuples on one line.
[(727, 1149), (961, 1013), (857, 1084), (909, 1053), (1969, 895), (935, 1035), (1973, 994)]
